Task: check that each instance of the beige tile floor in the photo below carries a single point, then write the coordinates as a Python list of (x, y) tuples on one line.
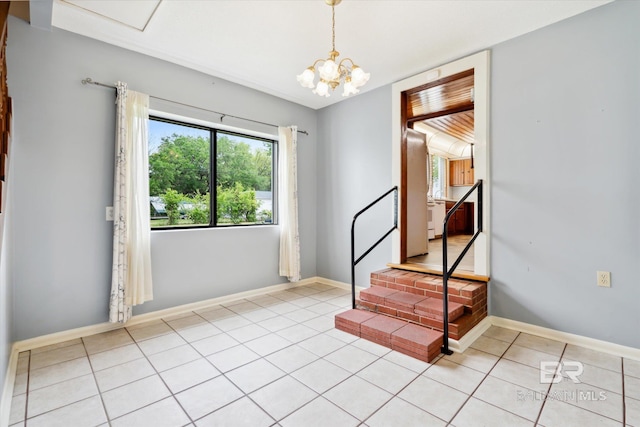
[(277, 360), (455, 245)]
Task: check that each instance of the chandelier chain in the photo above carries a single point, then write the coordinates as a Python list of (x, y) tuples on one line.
[(333, 27)]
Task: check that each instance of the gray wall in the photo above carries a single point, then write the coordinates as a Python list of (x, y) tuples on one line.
[(62, 177), (354, 165), (565, 199), (6, 297)]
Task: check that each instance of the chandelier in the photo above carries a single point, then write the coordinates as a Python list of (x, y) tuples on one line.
[(333, 73)]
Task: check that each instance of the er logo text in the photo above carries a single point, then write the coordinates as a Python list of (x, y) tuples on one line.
[(552, 372)]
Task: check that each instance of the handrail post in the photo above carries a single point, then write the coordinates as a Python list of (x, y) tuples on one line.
[(353, 264), (446, 274), (353, 237), (395, 208), (480, 206), (445, 293)]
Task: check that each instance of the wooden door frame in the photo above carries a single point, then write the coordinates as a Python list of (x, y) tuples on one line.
[(479, 62)]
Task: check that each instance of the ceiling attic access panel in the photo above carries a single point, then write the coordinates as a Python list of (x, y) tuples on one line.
[(443, 97)]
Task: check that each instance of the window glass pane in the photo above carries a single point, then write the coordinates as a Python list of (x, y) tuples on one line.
[(244, 169), (438, 168), (179, 175)]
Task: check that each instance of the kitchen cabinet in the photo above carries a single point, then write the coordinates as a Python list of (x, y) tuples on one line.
[(460, 173), (462, 221)]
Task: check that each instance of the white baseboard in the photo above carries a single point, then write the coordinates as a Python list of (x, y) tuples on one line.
[(457, 346), (335, 283), (579, 340), (463, 343), (7, 390), (58, 337)]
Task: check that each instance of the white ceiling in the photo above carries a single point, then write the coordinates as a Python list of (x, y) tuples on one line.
[(264, 44)]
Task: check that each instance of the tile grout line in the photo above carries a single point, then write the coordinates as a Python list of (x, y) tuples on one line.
[(95, 380), (26, 397), (624, 401), (261, 357), (482, 381), (222, 374), (267, 361), (159, 376), (397, 394), (546, 397)]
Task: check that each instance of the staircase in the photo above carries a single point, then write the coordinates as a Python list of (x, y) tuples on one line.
[(402, 310)]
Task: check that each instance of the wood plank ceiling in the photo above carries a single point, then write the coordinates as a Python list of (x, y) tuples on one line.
[(445, 105)]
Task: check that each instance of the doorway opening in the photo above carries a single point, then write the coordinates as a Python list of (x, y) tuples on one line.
[(449, 107), (443, 110)]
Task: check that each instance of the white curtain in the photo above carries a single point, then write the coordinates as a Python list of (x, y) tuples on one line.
[(288, 203), (131, 274)]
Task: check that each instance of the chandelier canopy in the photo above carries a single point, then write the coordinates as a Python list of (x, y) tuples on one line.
[(333, 73)]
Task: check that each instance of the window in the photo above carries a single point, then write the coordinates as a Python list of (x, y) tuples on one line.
[(181, 168), (438, 171)]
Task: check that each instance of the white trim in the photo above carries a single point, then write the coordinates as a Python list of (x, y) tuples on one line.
[(480, 62), (458, 346), (335, 283), (582, 341), (206, 123), (463, 343), (7, 391), (62, 336)]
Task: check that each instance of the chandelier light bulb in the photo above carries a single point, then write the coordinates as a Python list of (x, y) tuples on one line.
[(349, 88), (306, 78), (322, 89), (333, 73), (358, 76), (329, 71)]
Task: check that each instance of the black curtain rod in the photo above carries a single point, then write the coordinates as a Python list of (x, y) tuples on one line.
[(88, 80)]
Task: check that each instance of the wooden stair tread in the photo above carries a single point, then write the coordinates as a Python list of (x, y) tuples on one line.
[(422, 269)]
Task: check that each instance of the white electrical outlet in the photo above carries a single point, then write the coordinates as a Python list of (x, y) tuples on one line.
[(604, 279), (109, 213)]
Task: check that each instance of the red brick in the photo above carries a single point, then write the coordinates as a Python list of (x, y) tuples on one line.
[(396, 286), (422, 357), (387, 310), (459, 299), (383, 342), (403, 300), (376, 294), (433, 308), (409, 316), (367, 305), (380, 327), (353, 318), (454, 287), (408, 279), (416, 291), (351, 331), (416, 338), (433, 294), (472, 290), (380, 283), (426, 284)]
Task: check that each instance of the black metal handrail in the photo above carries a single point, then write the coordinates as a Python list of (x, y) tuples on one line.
[(446, 272), (355, 261)]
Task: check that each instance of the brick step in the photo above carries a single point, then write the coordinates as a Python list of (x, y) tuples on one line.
[(471, 294), (396, 334), (392, 300), (457, 328)]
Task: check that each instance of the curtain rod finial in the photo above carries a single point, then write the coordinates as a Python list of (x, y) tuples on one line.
[(87, 80)]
